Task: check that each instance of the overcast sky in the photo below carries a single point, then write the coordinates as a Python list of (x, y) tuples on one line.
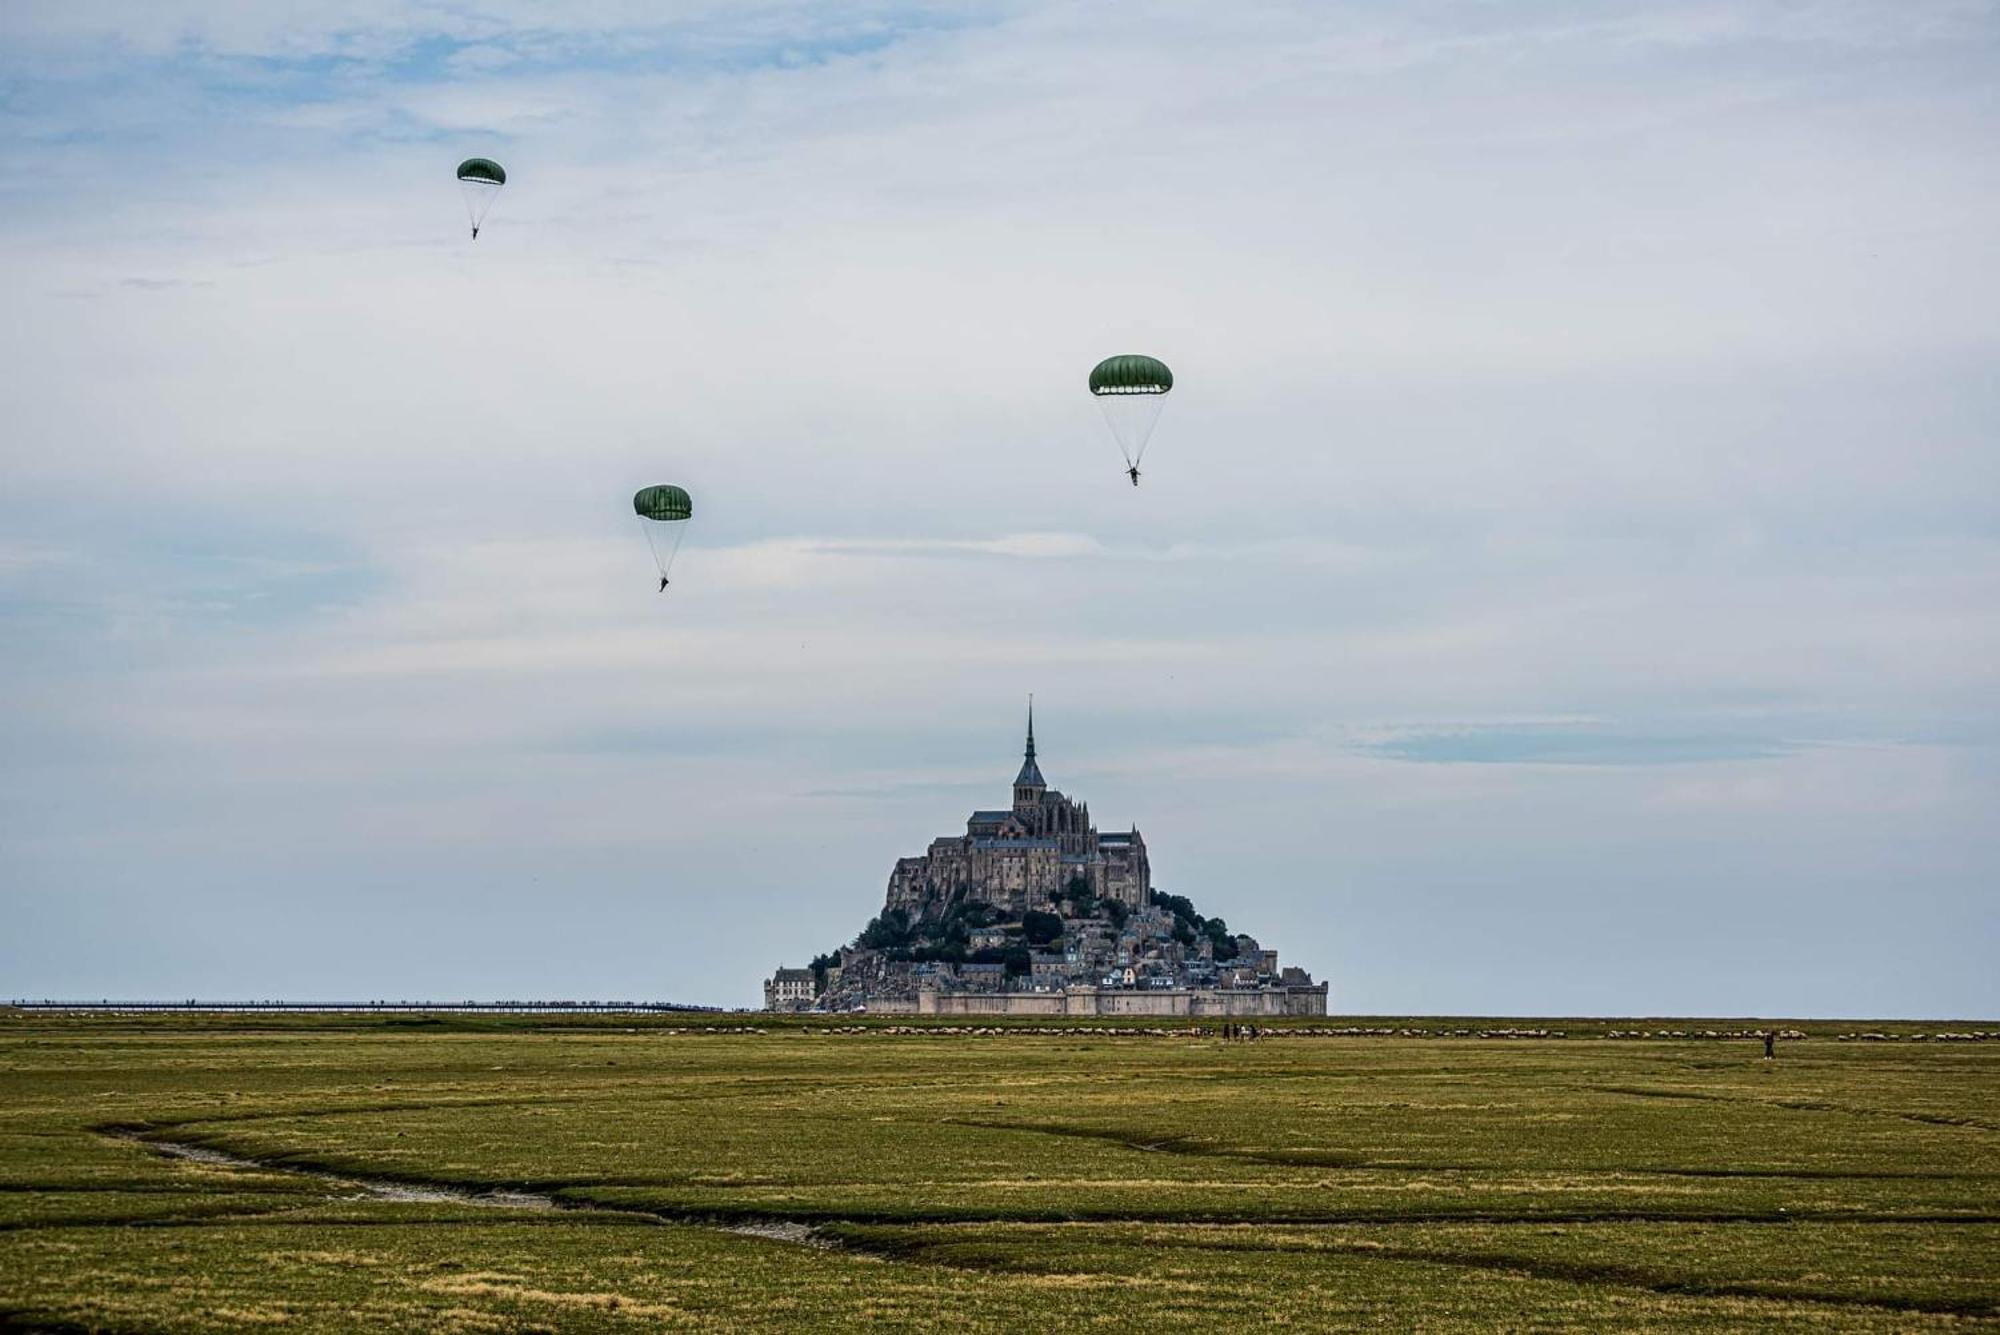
[(1566, 577)]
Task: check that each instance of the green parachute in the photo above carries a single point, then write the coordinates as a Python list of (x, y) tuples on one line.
[(1131, 389), (479, 180), (663, 505)]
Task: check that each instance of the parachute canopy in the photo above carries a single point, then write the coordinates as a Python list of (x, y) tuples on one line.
[(1130, 374), (663, 503), (482, 169), (479, 180)]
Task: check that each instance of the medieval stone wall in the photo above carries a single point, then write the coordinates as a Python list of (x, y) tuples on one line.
[(1197, 1002)]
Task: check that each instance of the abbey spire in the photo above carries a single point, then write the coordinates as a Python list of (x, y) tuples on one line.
[(1028, 784)]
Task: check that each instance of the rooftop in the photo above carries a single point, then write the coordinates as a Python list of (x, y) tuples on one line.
[(1031, 773)]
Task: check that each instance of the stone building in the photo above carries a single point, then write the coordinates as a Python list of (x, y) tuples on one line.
[(790, 989), (1019, 859)]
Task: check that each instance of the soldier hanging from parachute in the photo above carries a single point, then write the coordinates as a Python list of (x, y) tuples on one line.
[(669, 506), (1131, 390), (479, 180)]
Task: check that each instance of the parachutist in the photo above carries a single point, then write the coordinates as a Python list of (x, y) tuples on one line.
[(479, 180), (669, 506), (1131, 390)]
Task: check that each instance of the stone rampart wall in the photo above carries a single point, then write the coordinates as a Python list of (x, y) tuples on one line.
[(1197, 1001)]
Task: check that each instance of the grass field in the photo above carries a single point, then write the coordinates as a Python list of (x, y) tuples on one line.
[(667, 1173)]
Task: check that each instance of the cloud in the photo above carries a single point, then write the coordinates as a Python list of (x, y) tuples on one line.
[(1571, 744), (1580, 455), (18, 557), (1033, 545)]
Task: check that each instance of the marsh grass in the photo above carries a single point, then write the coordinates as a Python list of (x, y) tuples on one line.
[(1004, 1181)]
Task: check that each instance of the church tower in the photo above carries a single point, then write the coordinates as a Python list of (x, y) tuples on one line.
[(1028, 784)]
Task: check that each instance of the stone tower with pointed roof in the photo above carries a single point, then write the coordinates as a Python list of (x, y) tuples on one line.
[(1024, 857), (1029, 786)]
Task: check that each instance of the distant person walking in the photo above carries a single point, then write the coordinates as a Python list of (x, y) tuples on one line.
[(1770, 1044)]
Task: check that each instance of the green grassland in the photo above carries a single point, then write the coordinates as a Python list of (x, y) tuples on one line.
[(684, 1173)]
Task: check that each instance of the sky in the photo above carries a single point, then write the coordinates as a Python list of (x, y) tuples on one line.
[(1566, 576)]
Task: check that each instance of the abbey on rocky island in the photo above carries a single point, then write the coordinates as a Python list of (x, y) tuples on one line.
[(1032, 911)]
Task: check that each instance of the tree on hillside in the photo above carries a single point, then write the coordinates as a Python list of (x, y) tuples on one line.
[(1190, 927), (887, 930), (1041, 928), (1077, 897), (819, 966)]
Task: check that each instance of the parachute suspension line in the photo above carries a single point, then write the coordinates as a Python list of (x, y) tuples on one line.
[(646, 527), (666, 565), (1132, 418), (1124, 450), (674, 549), (1149, 416), (479, 196)]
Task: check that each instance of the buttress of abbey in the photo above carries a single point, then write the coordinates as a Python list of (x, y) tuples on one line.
[(1020, 859)]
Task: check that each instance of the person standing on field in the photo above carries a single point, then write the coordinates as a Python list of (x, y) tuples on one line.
[(1770, 1044)]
